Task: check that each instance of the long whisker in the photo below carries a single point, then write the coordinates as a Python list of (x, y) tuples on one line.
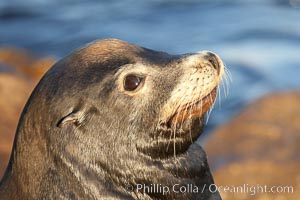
[(219, 95), (228, 78), (174, 125), (227, 81), (185, 113), (227, 71), (210, 109), (224, 87), (194, 100), (200, 109)]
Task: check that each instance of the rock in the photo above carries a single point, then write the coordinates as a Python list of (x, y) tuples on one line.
[(24, 64), (19, 73), (259, 147), (14, 92)]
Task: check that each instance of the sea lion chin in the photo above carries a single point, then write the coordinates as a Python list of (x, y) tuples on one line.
[(112, 115)]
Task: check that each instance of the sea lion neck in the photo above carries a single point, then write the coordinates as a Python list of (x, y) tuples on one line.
[(148, 172), (29, 160)]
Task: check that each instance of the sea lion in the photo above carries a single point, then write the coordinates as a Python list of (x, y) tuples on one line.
[(113, 120)]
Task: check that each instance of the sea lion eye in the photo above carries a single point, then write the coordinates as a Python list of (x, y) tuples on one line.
[(131, 82)]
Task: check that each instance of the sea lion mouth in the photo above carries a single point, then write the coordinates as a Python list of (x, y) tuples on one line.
[(191, 110), (181, 129)]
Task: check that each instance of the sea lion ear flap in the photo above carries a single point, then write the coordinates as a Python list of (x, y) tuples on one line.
[(78, 116), (75, 118)]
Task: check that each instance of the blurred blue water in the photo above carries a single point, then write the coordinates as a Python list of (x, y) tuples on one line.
[(259, 40)]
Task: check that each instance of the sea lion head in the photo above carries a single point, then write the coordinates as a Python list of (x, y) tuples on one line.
[(112, 105), (146, 99)]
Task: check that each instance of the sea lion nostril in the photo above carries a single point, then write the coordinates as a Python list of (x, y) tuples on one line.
[(213, 59)]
